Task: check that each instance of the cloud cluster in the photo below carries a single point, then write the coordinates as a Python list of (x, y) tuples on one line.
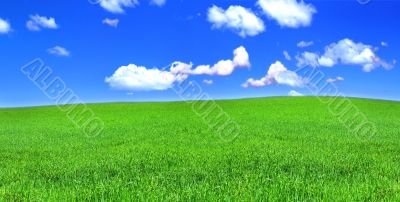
[(117, 6), (236, 18), (4, 26), (111, 22), (59, 51), (279, 74), (139, 78), (37, 23), (345, 52), (288, 13)]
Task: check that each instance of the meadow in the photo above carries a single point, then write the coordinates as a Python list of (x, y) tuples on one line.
[(288, 148)]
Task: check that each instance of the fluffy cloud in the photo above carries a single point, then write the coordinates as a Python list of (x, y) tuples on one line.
[(181, 70), (111, 22), (304, 44), (236, 18), (58, 51), (4, 26), (307, 58), (222, 68), (137, 78), (117, 6), (158, 2), (279, 74), (241, 57), (287, 56), (384, 44), (348, 52), (208, 81), (294, 93), (225, 67), (333, 80), (37, 22), (288, 13), (345, 52)]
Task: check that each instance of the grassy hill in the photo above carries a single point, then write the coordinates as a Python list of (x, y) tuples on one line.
[(287, 149)]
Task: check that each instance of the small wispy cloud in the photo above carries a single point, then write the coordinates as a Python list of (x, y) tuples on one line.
[(37, 23), (287, 56), (59, 51), (294, 93), (158, 2), (304, 44), (5, 26), (208, 81), (333, 80), (111, 22)]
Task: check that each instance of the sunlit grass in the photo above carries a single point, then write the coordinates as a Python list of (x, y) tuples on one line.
[(287, 149)]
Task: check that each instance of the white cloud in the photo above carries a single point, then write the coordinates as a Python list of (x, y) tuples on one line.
[(4, 26), (158, 2), (304, 44), (236, 18), (138, 78), (111, 22), (333, 80), (117, 6), (59, 51), (288, 13), (181, 70), (279, 74), (307, 58), (225, 67), (384, 44), (222, 68), (241, 57), (344, 52), (287, 56), (294, 93), (208, 81), (37, 22), (348, 52)]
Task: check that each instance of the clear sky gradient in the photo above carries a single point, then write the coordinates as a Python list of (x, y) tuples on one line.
[(154, 36)]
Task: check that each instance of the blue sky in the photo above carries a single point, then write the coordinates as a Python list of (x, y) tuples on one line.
[(83, 50)]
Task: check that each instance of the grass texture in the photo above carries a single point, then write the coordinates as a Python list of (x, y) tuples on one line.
[(287, 149)]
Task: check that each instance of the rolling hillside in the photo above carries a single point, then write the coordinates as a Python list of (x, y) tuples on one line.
[(286, 148)]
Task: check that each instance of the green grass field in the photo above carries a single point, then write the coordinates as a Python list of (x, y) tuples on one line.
[(288, 149)]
